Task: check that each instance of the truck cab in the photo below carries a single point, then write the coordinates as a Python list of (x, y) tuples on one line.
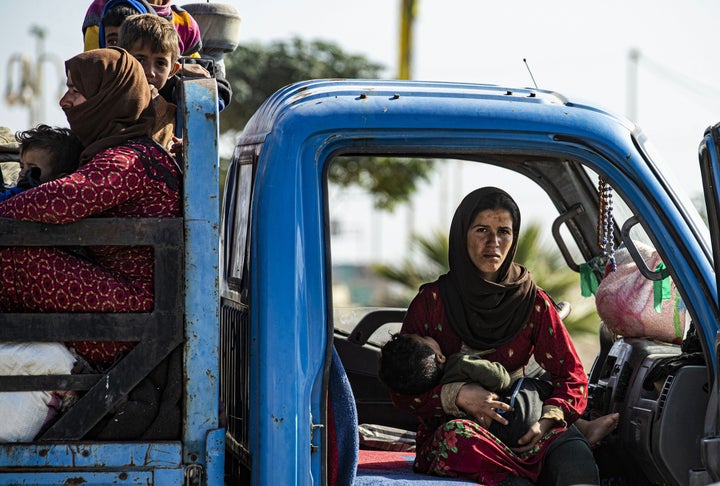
[(299, 342)]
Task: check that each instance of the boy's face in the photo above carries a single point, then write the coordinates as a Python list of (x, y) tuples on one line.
[(112, 32), (158, 66), (37, 157)]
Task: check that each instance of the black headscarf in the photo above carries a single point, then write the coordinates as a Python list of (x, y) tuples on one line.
[(485, 314)]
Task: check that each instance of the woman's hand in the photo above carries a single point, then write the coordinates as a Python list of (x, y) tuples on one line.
[(534, 434), (481, 404)]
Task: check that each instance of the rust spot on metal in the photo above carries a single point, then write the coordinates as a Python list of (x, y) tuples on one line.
[(277, 420), (123, 476), (70, 481), (43, 453)]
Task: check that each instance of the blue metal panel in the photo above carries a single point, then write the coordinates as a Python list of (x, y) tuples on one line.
[(164, 478), (288, 321), (202, 307), (117, 463), (302, 125), (135, 455), (215, 458)]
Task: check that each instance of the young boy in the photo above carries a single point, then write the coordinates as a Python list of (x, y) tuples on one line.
[(46, 154), (186, 26), (153, 41), (114, 14), (411, 364)]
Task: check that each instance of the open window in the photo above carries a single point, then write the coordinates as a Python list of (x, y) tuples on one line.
[(710, 169), (380, 257)]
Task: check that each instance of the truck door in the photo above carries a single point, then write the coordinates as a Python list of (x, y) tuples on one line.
[(710, 169)]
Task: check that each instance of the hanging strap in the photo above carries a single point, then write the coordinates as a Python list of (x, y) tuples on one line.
[(661, 288)]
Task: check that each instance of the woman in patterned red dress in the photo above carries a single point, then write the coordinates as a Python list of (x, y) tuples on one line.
[(122, 173), (488, 303)]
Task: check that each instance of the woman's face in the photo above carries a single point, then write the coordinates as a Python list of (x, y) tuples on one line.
[(72, 96), (489, 240)]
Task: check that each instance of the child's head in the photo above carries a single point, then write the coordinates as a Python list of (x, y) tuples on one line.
[(411, 364), (154, 42), (55, 151), (114, 14)]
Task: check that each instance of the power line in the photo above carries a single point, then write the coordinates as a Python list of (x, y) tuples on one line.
[(635, 59)]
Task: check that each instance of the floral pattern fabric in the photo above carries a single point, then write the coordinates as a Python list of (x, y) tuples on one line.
[(458, 446), (137, 179)]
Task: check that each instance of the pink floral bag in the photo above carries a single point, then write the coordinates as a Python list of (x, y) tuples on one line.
[(629, 305)]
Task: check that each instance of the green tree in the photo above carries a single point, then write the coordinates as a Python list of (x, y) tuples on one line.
[(545, 263), (256, 71)]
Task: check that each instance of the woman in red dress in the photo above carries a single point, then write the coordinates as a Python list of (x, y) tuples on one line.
[(122, 173), (488, 303)]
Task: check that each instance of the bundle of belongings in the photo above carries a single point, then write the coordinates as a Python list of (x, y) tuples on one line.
[(26, 413), (630, 305), (9, 157)]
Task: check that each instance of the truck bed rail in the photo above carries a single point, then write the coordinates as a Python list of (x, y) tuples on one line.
[(157, 332)]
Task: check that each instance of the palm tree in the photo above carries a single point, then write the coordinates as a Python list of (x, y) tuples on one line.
[(545, 262)]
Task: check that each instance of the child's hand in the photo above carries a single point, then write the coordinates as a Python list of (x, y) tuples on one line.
[(30, 179), (176, 148)]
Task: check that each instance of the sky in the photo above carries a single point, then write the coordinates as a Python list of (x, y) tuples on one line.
[(575, 47)]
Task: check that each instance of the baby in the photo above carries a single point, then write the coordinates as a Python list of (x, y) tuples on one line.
[(411, 364)]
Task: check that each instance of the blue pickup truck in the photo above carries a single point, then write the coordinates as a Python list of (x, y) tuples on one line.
[(289, 322), (279, 353)]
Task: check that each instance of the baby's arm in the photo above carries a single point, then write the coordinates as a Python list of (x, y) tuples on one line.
[(472, 367)]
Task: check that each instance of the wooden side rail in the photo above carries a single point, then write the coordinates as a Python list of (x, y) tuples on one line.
[(157, 332)]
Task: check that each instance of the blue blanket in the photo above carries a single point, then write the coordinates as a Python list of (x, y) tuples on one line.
[(346, 422)]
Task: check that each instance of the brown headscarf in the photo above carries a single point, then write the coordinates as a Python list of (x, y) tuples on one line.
[(118, 106), (485, 314)]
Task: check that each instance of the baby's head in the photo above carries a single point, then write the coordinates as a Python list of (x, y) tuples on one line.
[(55, 151), (154, 42), (411, 364)]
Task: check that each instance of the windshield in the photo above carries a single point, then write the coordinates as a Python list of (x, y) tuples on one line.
[(697, 219)]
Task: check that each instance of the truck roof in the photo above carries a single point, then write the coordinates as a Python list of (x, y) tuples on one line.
[(353, 103)]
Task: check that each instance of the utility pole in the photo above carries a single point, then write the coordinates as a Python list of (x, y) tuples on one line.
[(632, 85), (25, 79), (407, 17)]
